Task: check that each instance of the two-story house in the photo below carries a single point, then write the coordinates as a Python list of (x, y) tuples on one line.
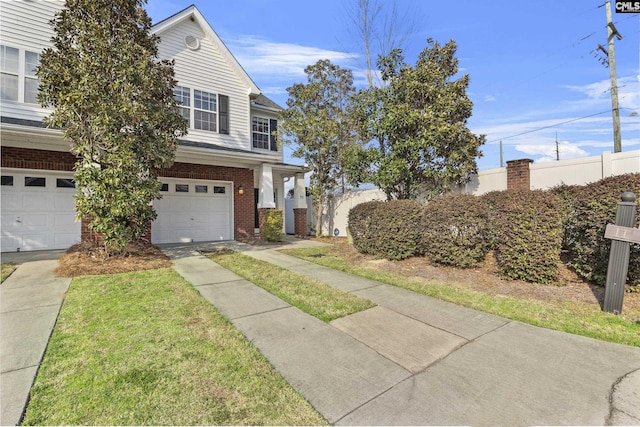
[(228, 168)]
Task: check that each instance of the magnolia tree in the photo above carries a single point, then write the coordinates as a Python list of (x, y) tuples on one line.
[(113, 100), (416, 125)]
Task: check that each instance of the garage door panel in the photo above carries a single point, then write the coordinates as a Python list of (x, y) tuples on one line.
[(35, 221), (193, 216), (65, 240), (37, 241), (10, 200), (37, 218), (38, 200), (63, 201), (10, 241)]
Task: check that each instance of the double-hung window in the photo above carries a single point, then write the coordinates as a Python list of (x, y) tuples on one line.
[(183, 96), (262, 133), (210, 110), (18, 75), (9, 69), (260, 127), (205, 111), (31, 62)]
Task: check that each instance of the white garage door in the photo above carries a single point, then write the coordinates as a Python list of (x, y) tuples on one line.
[(38, 211), (193, 211)]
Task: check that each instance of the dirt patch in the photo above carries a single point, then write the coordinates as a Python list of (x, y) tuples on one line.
[(85, 259), (484, 278)]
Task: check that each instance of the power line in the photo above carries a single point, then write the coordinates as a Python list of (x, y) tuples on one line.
[(548, 127)]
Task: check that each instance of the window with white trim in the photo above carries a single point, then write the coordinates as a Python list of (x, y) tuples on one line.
[(31, 82), (9, 70), (262, 133), (18, 75), (260, 127), (204, 111), (183, 96)]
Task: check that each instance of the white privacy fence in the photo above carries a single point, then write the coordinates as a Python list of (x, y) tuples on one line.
[(542, 176)]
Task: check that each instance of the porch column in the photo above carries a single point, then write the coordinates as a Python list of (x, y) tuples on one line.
[(299, 206), (266, 199)]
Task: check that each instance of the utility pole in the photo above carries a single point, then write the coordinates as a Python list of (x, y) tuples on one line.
[(557, 148), (611, 32), (501, 159)]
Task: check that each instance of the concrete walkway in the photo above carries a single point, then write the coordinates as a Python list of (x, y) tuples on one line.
[(412, 360), (30, 300)]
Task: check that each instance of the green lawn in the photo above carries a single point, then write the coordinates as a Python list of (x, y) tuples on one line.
[(145, 348), (309, 295), (573, 317)]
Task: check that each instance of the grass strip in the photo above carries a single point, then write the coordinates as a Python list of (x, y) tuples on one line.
[(7, 269), (572, 317), (309, 295), (145, 348)]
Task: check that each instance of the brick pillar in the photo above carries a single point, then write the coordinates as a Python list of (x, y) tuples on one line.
[(300, 221), (518, 177)]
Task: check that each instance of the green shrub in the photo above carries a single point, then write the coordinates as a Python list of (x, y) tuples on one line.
[(528, 234), (456, 230), (272, 227), (569, 195), (595, 207), (360, 220), (389, 229), (398, 229)]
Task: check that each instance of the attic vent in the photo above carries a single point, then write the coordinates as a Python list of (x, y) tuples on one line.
[(192, 42)]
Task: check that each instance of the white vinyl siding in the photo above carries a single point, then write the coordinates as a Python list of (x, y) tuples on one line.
[(207, 69), (25, 25)]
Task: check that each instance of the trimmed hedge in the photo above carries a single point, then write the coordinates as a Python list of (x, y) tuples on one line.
[(360, 221), (528, 232), (389, 229), (595, 206), (456, 230)]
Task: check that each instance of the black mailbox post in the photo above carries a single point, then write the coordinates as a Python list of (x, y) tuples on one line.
[(622, 235)]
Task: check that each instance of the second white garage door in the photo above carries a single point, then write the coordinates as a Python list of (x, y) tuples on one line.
[(193, 211)]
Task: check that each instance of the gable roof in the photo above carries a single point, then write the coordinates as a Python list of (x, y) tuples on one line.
[(194, 14)]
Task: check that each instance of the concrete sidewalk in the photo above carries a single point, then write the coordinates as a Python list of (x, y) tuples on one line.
[(30, 300), (414, 360), (410, 360)]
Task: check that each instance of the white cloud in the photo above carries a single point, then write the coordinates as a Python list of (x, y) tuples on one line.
[(489, 98), (262, 57), (547, 152)]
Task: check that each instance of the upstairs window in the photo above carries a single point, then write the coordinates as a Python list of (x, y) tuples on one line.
[(18, 75), (204, 113), (183, 97), (262, 133), (31, 82), (9, 69)]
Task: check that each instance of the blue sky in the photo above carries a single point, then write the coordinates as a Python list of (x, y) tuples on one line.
[(534, 65)]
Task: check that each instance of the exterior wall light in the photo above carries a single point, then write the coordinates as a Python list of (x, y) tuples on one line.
[(241, 190)]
